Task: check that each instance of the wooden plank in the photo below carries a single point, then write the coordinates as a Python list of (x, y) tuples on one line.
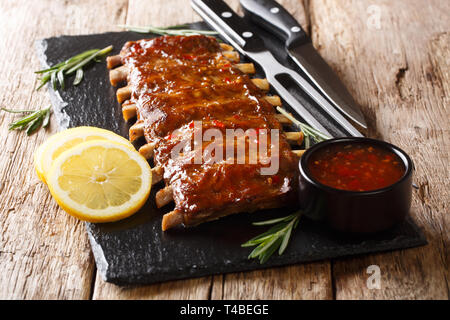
[(191, 289), (44, 253), (160, 14), (399, 74), (306, 281)]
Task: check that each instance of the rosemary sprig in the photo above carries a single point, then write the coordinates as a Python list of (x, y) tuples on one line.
[(57, 73), (308, 131), (32, 120), (172, 31), (275, 238)]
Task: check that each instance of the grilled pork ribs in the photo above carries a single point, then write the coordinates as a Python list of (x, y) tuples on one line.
[(182, 88)]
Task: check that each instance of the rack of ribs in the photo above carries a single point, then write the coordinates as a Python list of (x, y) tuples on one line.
[(177, 86)]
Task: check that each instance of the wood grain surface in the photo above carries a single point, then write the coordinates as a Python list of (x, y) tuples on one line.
[(394, 56)]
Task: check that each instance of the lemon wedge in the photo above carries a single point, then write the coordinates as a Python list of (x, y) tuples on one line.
[(64, 140), (100, 181)]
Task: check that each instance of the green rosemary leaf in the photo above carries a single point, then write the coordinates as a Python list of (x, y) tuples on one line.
[(57, 73), (307, 141), (89, 58), (81, 63), (78, 77), (263, 236), (285, 242), (41, 85), (60, 76), (32, 121), (44, 79), (255, 241), (17, 111), (46, 121), (174, 30), (21, 123), (275, 238), (268, 253), (264, 246), (178, 26), (296, 223), (55, 67), (106, 50), (46, 70), (273, 221), (35, 124), (54, 80), (80, 56)]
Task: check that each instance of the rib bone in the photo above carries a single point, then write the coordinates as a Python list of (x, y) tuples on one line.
[(295, 137), (282, 119), (246, 67), (113, 61), (273, 100), (262, 84), (226, 47), (299, 153), (118, 75), (123, 94), (231, 55), (172, 219), (157, 174), (129, 111), (147, 150), (136, 131), (164, 196)]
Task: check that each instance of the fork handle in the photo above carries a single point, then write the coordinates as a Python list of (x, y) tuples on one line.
[(229, 22), (272, 16)]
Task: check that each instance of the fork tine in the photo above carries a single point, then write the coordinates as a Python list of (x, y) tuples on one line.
[(324, 104), (297, 106)]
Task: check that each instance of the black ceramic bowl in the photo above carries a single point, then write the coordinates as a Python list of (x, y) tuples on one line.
[(356, 211)]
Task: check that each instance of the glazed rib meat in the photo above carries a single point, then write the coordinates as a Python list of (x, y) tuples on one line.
[(181, 86)]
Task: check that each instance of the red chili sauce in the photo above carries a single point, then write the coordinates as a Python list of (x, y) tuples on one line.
[(356, 167)]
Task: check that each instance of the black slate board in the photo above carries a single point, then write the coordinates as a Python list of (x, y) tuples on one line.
[(135, 250)]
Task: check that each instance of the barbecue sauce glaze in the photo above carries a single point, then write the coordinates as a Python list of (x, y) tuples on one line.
[(176, 80), (356, 167)]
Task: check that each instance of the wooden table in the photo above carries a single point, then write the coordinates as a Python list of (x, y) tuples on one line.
[(394, 56)]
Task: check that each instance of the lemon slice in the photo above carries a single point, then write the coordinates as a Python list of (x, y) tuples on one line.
[(67, 139), (100, 181), (38, 156)]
